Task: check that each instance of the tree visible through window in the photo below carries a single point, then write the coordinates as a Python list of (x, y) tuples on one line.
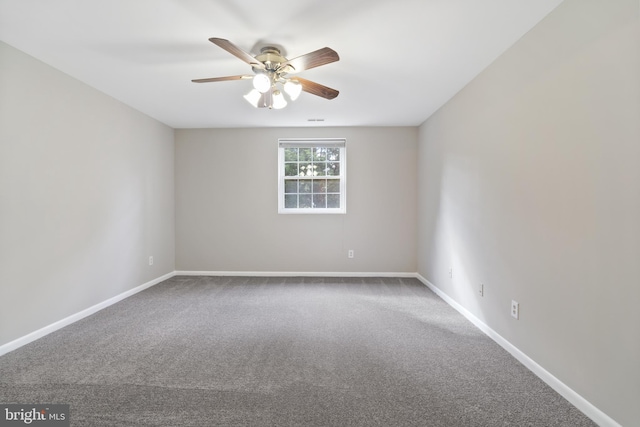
[(312, 176)]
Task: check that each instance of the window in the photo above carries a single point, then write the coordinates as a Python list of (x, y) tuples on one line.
[(312, 176)]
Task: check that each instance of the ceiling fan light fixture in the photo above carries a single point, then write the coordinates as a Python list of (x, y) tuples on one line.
[(278, 100), (293, 89), (262, 82), (253, 97)]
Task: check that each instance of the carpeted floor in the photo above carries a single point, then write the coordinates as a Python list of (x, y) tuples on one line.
[(222, 351)]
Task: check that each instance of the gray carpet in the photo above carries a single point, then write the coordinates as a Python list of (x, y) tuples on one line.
[(221, 351)]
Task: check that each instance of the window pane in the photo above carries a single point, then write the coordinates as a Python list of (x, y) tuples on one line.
[(308, 169), (290, 154), (305, 154), (333, 186), (333, 154), (290, 169), (319, 201), (321, 169), (333, 200), (305, 186), (291, 201), (319, 154), (305, 201), (291, 186), (333, 169), (319, 185)]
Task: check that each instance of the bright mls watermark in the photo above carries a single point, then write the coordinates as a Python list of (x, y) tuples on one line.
[(41, 415)]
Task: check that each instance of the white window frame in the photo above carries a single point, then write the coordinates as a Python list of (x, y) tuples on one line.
[(340, 143)]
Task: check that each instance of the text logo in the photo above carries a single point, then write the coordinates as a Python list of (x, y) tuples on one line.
[(40, 415)]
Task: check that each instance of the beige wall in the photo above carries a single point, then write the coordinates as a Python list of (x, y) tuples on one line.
[(86, 195), (227, 214), (529, 182)]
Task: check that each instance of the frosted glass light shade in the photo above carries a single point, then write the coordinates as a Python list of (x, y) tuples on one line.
[(253, 97), (278, 100), (262, 83), (293, 89)]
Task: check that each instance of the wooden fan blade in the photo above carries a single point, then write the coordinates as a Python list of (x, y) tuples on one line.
[(310, 60), (237, 52), (317, 89), (221, 79)]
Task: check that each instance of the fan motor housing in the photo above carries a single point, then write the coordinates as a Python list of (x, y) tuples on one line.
[(271, 58)]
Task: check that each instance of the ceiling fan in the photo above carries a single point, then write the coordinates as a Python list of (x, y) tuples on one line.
[(271, 69)]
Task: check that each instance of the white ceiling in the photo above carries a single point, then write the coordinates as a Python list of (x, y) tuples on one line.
[(399, 62)]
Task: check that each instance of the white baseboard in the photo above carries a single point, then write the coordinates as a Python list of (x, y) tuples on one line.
[(293, 274), (561, 388), (17, 343)]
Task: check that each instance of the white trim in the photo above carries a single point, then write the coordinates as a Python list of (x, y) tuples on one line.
[(17, 343), (561, 388), (293, 274), (342, 178), (312, 142)]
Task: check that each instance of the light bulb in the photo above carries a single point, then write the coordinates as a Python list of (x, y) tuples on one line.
[(293, 89), (278, 100), (262, 83)]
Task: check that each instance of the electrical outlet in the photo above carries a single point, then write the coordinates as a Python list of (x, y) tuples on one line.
[(481, 290), (350, 254), (515, 309), (150, 260)]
